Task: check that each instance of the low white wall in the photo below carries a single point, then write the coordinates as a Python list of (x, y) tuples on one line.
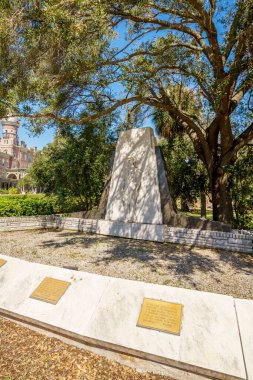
[(80, 225), (47, 221), (232, 241), (27, 222)]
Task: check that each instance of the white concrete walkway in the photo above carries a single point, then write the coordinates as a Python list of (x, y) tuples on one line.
[(216, 337)]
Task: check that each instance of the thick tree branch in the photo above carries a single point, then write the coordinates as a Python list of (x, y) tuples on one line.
[(62, 119), (243, 139), (242, 90), (212, 133)]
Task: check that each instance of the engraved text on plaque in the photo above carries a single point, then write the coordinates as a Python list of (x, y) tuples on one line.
[(161, 315), (50, 290)]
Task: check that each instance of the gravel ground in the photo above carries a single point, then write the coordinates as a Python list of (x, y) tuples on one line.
[(210, 270), (28, 355)]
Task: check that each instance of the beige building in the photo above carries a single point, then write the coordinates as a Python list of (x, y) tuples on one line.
[(15, 156)]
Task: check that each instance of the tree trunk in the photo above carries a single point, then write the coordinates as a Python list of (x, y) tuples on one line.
[(222, 204), (203, 204), (184, 205)]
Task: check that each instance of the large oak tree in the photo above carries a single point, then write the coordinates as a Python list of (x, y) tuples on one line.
[(72, 59)]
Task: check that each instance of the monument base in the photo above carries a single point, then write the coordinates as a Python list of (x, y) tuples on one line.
[(238, 241)]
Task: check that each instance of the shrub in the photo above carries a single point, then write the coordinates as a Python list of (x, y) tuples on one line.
[(27, 205), (36, 204), (13, 190)]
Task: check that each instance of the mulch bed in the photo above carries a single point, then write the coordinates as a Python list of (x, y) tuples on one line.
[(28, 355)]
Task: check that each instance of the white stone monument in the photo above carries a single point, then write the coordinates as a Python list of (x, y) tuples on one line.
[(134, 195)]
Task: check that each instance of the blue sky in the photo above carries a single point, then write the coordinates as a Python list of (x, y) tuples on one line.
[(38, 141)]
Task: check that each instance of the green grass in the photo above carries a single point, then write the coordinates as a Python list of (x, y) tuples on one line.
[(196, 213), (250, 222), (209, 216)]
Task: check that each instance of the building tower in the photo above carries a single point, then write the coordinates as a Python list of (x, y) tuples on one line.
[(10, 133), (15, 157)]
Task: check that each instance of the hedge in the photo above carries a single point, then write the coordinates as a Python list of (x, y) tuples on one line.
[(27, 205)]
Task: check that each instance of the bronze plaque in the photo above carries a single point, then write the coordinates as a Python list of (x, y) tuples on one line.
[(161, 316), (50, 290), (2, 262)]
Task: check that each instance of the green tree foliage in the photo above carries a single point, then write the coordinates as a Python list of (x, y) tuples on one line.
[(241, 188), (187, 101), (188, 178), (71, 59), (9, 56), (75, 166), (25, 183), (186, 175)]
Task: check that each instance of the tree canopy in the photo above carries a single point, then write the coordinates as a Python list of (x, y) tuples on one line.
[(71, 59), (75, 166)]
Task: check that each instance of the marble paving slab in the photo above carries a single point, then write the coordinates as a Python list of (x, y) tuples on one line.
[(209, 342), (244, 309), (19, 279), (105, 310)]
